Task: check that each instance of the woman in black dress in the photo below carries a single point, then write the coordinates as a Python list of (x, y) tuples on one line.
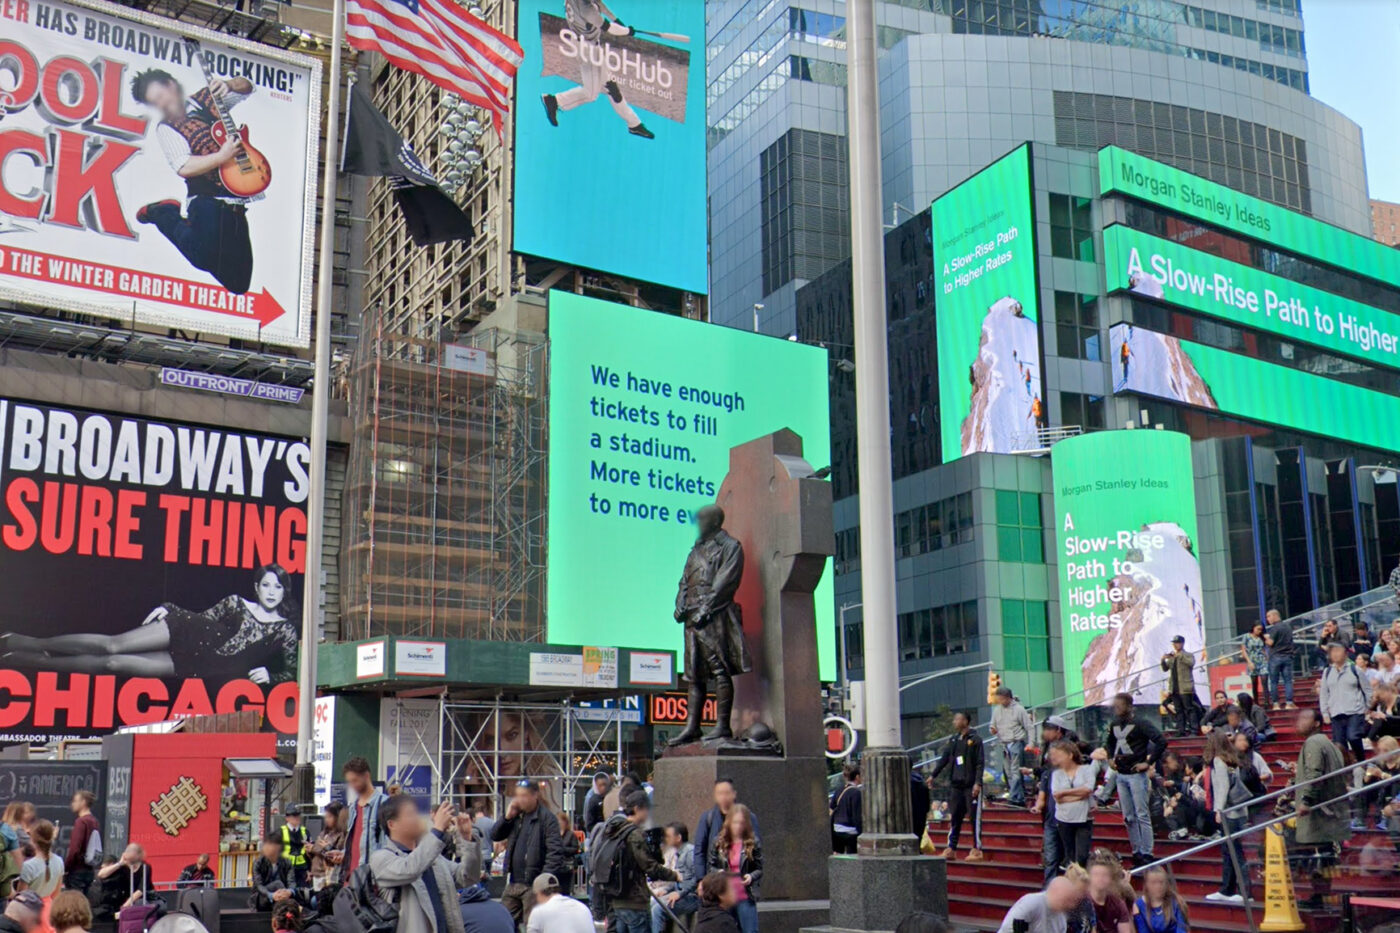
[(236, 637)]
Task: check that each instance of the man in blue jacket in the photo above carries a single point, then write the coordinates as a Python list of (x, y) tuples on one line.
[(707, 830)]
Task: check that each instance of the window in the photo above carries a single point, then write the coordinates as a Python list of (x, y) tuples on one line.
[(930, 527), (805, 215), (1019, 532), (1083, 410), (848, 550), (1077, 325), (855, 647), (1025, 635), (945, 630), (816, 70), (1071, 227)]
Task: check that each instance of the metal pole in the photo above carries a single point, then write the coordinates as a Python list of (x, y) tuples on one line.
[(320, 407), (885, 766)]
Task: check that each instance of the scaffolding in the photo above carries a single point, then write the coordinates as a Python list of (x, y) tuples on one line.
[(444, 498)]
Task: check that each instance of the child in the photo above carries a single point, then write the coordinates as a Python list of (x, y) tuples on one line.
[(1160, 909)]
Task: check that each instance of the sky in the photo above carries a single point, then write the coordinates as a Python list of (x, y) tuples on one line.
[(1352, 48)]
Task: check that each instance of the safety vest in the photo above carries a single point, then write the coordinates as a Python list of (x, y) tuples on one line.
[(294, 845)]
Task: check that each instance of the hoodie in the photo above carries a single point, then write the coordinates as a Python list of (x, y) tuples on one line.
[(713, 919), (637, 896), (480, 914)]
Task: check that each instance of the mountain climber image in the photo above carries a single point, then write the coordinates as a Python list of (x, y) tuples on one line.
[(1037, 411), (1125, 353)]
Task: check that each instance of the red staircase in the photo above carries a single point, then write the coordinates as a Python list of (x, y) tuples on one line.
[(979, 893)]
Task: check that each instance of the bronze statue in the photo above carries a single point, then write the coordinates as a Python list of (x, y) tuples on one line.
[(714, 627)]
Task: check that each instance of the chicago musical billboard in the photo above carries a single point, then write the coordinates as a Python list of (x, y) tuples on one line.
[(155, 172)]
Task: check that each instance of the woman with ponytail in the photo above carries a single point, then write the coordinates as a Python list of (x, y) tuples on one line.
[(43, 873)]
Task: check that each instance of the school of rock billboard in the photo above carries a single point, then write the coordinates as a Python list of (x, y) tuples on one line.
[(156, 172), (153, 570)]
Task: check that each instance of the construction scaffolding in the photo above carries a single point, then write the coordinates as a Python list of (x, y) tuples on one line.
[(444, 498)]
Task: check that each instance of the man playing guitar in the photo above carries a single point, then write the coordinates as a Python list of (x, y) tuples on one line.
[(213, 236)]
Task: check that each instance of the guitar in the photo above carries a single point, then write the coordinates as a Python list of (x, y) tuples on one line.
[(248, 173)]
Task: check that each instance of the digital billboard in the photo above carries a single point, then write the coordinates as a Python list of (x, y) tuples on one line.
[(1130, 574), (610, 138), (1151, 181), (989, 375), (1161, 366), (153, 570), (643, 409), (1158, 268), (157, 172)]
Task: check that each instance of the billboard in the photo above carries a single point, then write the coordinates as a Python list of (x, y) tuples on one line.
[(610, 138), (1157, 268), (1130, 574), (124, 188), (1279, 228), (989, 374), (1165, 367), (154, 570), (643, 408)]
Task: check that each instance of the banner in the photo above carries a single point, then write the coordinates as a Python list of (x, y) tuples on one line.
[(1166, 367), (1130, 574), (610, 138), (989, 375), (643, 409), (1156, 268), (125, 190), (154, 570)]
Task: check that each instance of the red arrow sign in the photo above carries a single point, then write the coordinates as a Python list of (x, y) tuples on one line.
[(258, 307)]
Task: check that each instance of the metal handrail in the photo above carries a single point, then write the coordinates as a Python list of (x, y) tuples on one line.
[(1333, 611), (1285, 791)]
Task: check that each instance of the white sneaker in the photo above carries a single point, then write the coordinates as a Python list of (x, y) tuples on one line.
[(1220, 896)]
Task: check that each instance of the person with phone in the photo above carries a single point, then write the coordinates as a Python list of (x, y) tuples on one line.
[(411, 860)]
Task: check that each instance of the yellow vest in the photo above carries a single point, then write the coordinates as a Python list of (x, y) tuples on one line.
[(297, 857)]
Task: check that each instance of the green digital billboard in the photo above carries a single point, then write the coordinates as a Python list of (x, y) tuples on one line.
[(643, 409), (1207, 201), (1158, 268), (989, 375), (1130, 574), (1148, 363)]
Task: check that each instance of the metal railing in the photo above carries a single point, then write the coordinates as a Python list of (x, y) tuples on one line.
[(1372, 601)]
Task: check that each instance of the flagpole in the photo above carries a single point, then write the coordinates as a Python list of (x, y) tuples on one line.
[(320, 409)]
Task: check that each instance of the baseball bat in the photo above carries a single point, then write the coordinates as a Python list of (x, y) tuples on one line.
[(673, 36)]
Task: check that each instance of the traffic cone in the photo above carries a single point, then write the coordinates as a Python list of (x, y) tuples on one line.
[(1280, 900)]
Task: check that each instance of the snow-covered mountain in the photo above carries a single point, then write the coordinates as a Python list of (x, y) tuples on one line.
[(1157, 366), (1006, 380)]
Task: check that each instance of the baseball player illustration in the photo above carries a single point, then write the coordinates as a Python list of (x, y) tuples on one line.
[(592, 20)]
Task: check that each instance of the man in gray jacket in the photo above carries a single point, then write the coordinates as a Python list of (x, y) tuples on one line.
[(411, 861), (1012, 726), (1344, 695)]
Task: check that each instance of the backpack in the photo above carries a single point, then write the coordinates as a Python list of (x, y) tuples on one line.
[(610, 863), (1239, 790), (92, 852), (1249, 776), (362, 905), (9, 860)]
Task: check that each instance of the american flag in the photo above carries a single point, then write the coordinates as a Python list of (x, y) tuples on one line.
[(442, 42)]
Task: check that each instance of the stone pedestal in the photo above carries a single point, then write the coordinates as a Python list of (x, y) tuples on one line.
[(877, 893)]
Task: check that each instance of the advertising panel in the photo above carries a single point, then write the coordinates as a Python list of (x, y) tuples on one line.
[(1157, 365), (1278, 227), (50, 786), (643, 408), (989, 376), (155, 171), (1130, 574), (1156, 268), (154, 571), (610, 138)]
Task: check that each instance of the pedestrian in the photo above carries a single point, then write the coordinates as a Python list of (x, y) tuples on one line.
[(726, 794), (363, 831), (962, 759), (570, 845), (1256, 660), (1253, 764), (1052, 855), (1133, 746), (1361, 640), (84, 842), (1344, 697), (1071, 785), (1012, 725), (1255, 715), (485, 826), (1180, 666), (716, 914), (1217, 716), (1331, 634), (125, 880), (1385, 671), (70, 912), (1384, 716), (846, 811), (1279, 637), (918, 801), (629, 896), (1043, 911), (274, 880), (1224, 791), (197, 874), (533, 845), (555, 911), (593, 803), (1323, 824), (20, 816), (1111, 914), (328, 850), (678, 855), (410, 859), (1161, 909), (294, 842), (612, 803), (481, 914), (1383, 765), (1236, 722), (23, 913), (737, 852)]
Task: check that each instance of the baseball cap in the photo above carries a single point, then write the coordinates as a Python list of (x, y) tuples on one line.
[(1059, 722), (293, 810), (545, 881), (1178, 639), (29, 900)]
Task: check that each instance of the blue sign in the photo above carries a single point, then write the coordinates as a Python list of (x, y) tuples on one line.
[(607, 710), (414, 781)]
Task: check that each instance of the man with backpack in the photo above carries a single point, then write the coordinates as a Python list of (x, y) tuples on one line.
[(85, 843), (622, 864), (1344, 696), (534, 845), (410, 860)]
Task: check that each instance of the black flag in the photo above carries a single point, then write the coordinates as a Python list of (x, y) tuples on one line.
[(374, 147)]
